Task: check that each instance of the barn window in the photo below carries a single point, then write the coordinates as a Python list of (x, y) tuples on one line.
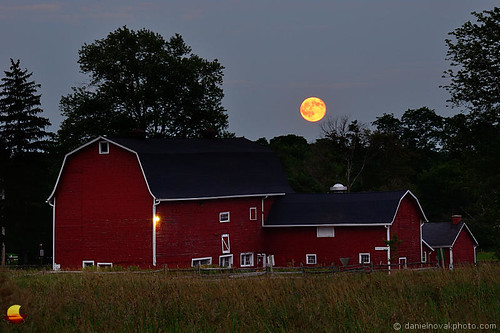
[(223, 217), (402, 262), (325, 232), (311, 259), (253, 213), (103, 147), (364, 258), (197, 262), (87, 263), (246, 259), (105, 264), (226, 261), (226, 247), (424, 256)]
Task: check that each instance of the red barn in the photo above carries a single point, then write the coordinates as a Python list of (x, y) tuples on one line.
[(450, 243), (226, 202), (323, 228), (179, 202)]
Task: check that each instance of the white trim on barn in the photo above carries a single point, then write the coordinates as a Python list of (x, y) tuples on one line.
[(243, 259), (361, 259), (223, 258), (311, 259), (329, 225), (253, 214), (200, 261), (87, 263), (399, 204)]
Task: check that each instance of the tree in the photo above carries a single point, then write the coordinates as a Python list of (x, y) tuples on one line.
[(475, 53), (21, 127), (422, 129), (350, 140), (138, 80), (23, 164)]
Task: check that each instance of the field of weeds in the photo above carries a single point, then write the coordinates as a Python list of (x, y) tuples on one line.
[(157, 302)]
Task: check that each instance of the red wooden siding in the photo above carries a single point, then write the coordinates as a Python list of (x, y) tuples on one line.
[(191, 229), (103, 210), (463, 249), (407, 228), (291, 244)]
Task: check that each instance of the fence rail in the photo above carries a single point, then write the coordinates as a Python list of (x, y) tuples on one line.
[(242, 272)]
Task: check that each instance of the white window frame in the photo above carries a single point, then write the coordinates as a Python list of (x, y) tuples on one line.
[(402, 259), (88, 263), (322, 232), (311, 256), (230, 256), (242, 264), (105, 264), (253, 213), (101, 145), (364, 262), (222, 219), (424, 256), (225, 243), (193, 260)]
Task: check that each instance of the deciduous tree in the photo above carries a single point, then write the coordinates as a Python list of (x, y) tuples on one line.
[(140, 81)]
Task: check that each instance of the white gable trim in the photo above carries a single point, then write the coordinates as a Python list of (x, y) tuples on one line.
[(399, 204), (224, 197), (329, 225), (100, 138), (458, 234), (427, 244)]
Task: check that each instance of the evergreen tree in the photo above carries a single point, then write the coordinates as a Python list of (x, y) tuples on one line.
[(24, 165), (21, 127)]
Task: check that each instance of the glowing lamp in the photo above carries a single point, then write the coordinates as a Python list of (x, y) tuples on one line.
[(156, 219)]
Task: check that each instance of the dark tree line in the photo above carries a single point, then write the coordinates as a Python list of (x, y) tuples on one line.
[(142, 84)]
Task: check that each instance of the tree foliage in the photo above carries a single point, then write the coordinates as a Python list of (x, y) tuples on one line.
[(23, 164), (474, 53), (22, 129), (140, 81)]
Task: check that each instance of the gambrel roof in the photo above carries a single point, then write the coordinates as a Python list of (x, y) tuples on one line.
[(337, 209), (188, 169), (443, 234)]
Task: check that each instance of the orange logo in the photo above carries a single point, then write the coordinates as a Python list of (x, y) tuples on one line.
[(14, 316)]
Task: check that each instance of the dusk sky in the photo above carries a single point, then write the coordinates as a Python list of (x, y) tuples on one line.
[(363, 58)]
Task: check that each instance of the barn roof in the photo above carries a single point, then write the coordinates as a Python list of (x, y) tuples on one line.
[(338, 209), (182, 169), (443, 234)]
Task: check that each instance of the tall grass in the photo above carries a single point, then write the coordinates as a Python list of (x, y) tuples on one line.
[(93, 302)]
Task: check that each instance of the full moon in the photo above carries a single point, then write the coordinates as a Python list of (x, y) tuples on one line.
[(313, 109)]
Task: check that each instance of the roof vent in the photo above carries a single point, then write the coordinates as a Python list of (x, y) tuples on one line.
[(338, 188)]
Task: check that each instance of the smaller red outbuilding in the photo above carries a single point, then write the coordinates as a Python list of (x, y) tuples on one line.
[(449, 243)]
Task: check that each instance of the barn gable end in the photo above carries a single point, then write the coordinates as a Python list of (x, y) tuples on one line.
[(101, 202)]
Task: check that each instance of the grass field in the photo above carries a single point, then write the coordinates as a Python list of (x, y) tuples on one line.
[(157, 302)]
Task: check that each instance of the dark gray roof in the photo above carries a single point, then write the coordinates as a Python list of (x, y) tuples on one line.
[(442, 234), (335, 209), (204, 168)]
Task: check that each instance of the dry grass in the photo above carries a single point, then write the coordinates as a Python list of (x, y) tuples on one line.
[(92, 302)]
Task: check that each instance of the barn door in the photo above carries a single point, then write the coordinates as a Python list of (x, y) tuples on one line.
[(226, 247)]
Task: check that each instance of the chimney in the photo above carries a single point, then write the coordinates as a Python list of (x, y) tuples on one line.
[(456, 219)]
